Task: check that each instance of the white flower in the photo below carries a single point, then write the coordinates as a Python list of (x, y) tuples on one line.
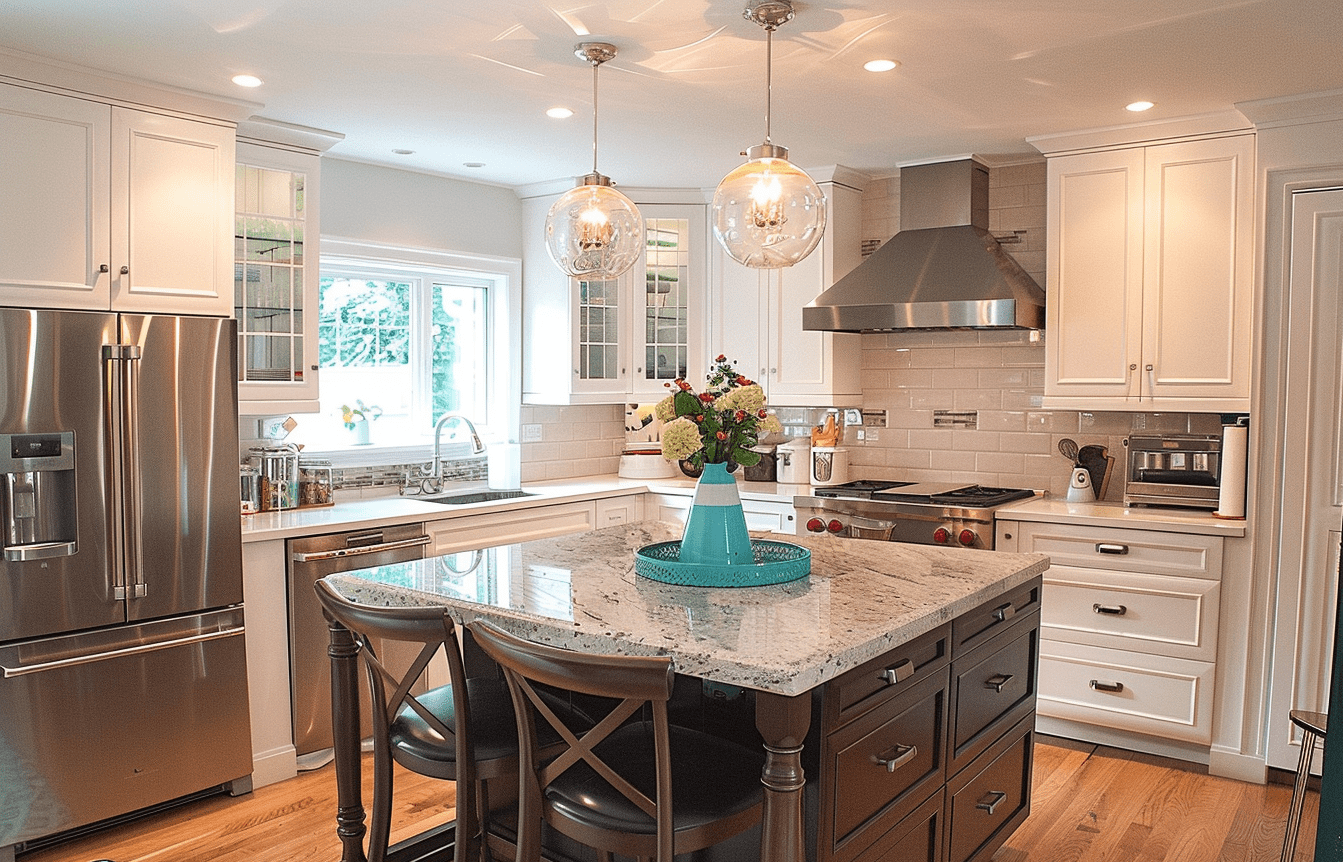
[(680, 439)]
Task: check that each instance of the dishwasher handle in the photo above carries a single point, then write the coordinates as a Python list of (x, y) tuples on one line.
[(360, 550)]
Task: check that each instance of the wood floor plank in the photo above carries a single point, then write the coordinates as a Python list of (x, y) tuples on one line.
[(1089, 805)]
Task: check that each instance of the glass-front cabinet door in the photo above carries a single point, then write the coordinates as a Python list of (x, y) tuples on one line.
[(275, 278), (641, 331)]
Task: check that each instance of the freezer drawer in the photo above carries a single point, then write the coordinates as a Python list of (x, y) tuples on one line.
[(102, 724)]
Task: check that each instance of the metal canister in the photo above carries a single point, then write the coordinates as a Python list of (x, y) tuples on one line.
[(278, 466)]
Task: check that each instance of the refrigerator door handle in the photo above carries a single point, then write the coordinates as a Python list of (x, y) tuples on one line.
[(11, 672), (122, 390)]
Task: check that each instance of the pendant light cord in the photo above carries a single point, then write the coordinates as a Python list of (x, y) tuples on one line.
[(595, 64), (769, 78)]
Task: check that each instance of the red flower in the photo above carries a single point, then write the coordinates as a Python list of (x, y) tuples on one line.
[(721, 358), (706, 397), (685, 387), (762, 413), (721, 435), (699, 418), (741, 415), (742, 380)]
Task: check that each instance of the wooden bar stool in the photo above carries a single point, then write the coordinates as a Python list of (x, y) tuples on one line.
[(632, 784), (1312, 726)]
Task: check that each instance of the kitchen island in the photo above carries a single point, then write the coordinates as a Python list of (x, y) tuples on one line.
[(872, 640)]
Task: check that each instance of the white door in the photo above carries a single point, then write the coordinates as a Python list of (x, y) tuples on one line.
[(1309, 464)]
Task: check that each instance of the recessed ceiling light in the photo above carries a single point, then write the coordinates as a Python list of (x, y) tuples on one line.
[(247, 80), (403, 152), (1138, 107), (559, 113), (880, 65), (473, 164)]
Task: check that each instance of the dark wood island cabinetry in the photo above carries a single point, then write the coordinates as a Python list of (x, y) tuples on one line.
[(893, 689)]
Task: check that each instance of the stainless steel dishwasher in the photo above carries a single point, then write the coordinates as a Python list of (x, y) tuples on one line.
[(315, 557)]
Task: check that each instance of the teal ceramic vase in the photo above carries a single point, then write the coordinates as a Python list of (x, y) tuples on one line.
[(715, 532)]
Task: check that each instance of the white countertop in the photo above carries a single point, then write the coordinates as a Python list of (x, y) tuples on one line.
[(1172, 520), (391, 509), (580, 591)]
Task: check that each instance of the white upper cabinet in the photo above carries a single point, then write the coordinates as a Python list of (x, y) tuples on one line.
[(757, 315), (610, 342), (109, 207), (276, 279), (1150, 288)]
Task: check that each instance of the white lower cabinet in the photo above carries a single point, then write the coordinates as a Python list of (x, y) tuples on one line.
[(763, 515), (1128, 631)]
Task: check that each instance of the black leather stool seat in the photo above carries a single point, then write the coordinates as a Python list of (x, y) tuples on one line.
[(711, 780)]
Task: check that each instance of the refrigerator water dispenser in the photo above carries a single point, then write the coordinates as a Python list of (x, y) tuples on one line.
[(37, 495)]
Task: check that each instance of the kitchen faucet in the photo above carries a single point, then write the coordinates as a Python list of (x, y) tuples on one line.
[(431, 474)]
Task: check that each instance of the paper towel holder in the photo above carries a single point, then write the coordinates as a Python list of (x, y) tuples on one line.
[(1235, 464)]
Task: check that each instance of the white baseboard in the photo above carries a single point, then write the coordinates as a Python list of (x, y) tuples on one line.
[(270, 767), (1233, 764)]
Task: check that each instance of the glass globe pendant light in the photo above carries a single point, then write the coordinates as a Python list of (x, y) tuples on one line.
[(768, 213), (593, 231)]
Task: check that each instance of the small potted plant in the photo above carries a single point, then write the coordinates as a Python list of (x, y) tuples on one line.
[(356, 420)]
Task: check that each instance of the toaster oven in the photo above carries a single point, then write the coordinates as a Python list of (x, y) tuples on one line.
[(1174, 470)]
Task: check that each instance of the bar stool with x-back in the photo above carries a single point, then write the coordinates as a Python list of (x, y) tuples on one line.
[(632, 784), (461, 731), (1312, 726)]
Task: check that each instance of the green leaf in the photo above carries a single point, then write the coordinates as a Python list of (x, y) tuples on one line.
[(687, 404), (746, 457)]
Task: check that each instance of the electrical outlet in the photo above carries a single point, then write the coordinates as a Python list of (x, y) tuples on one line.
[(531, 433), (276, 427)]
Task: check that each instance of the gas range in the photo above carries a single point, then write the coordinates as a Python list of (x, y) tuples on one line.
[(922, 513)]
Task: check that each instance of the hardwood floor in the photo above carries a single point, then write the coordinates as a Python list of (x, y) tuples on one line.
[(1090, 805)]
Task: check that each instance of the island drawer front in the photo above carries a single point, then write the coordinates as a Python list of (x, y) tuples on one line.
[(872, 683), (993, 687), (917, 838), (1136, 612), (972, 628), (890, 760), (988, 800), (1158, 695), (1124, 549)]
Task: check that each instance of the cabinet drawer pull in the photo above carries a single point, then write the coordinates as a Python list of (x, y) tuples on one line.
[(1110, 548), (997, 681), (1107, 686), (1006, 612), (899, 756), (1113, 610), (991, 800), (901, 672)]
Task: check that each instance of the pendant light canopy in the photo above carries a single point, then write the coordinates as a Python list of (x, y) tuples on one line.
[(768, 213), (593, 231)]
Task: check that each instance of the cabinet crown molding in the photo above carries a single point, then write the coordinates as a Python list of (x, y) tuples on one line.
[(1156, 131)]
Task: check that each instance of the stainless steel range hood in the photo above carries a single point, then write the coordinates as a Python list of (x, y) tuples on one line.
[(943, 270)]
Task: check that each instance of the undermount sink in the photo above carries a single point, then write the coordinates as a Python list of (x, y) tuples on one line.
[(485, 495)]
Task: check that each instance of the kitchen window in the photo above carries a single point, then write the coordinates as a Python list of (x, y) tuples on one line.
[(404, 339)]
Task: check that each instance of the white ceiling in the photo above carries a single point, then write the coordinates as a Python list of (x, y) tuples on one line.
[(460, 81)]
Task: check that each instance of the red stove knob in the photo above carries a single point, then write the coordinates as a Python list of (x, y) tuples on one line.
[(835, 527), (942, 535), (815, 525), (967, 537)]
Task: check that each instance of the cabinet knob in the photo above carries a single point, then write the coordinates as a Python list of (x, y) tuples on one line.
[(125, 270), (998, 681), (1005, 613), (104, 268), (1114, 687), (1110, 548), (1113, 610)]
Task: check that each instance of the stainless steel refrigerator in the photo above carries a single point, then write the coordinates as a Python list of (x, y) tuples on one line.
[(122, 668)]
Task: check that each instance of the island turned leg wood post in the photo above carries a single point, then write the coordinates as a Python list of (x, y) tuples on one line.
[(783, 722), (344, 653)]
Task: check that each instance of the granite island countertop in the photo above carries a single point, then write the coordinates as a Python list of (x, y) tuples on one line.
[(580, 591)]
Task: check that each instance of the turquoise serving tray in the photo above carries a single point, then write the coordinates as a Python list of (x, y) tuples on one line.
[(775, 563)]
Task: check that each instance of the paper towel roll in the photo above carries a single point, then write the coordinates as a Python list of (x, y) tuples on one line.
[(1231, 497)]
